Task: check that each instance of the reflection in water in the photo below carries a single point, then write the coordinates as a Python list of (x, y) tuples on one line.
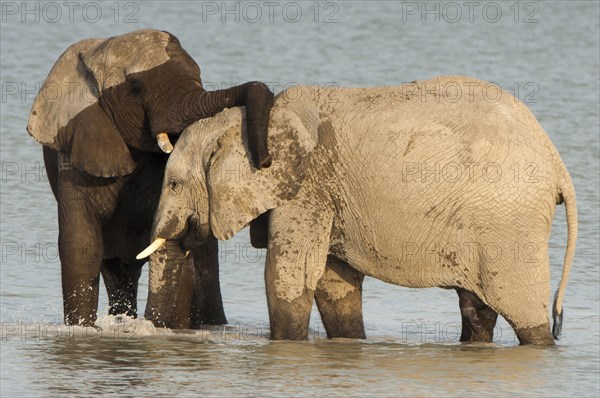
[(202, 362)]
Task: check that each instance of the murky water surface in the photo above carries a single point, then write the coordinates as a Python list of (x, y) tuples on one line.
[(546, 53)]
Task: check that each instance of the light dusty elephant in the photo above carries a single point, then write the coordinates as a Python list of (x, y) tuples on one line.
[(432, 183), (104, 116)]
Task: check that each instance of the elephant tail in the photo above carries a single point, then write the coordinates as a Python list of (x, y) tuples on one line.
[(568, 197)]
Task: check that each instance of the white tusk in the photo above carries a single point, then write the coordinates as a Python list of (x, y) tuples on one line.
[(151, 249), (162, 139), (187, 253)]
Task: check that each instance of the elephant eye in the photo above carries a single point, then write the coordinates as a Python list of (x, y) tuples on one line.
[(174, 185)]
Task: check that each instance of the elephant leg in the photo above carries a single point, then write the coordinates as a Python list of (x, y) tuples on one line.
[(84, 203), (520, 312), (296, 260), (521, 295), (289, 320), (80, 251), (338, 294), (207, 303), (537, 335), (339, 299), (121, 281), (478, 319)]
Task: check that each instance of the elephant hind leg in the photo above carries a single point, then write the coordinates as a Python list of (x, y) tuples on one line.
[(528, 318), (478, 319), (121, 281), (339, 299), (537, 335), (524, 305)]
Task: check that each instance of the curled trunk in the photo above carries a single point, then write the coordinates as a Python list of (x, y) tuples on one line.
[(258, 100)]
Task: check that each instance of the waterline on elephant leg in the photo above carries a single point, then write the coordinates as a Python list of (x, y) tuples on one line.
[(537, 335)]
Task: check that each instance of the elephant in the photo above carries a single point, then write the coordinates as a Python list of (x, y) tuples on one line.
[(106, 116), (432, 183)]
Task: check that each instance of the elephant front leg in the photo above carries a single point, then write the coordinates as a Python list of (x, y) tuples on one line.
[(296, 257), (207, 303), (84, 203), (121, 281), (80, 251), (339, 299)]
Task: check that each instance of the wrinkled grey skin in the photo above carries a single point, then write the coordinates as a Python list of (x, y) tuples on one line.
[(354, 177)]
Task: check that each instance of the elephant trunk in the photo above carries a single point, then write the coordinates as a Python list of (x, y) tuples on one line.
[(166, 268), (207, 306), (258, 100)]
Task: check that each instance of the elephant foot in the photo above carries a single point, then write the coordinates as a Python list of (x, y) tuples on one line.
[(289, 320), (123, 306), (80, 274), (478, 319), (121, 281), (538, 335), (80, 301), (339, 299), (80, 316)]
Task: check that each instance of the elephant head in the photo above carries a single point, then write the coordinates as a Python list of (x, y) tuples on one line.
[(211, 187), (104, 97)]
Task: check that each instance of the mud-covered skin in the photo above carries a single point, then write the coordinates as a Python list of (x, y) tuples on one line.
[(105, 167), (339, 185), (338, 294), (339, 299)]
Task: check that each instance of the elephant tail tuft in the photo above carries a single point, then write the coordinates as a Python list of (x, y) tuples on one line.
[(558, 319), (568, 197)]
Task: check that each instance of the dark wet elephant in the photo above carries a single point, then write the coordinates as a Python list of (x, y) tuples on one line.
[(106, 110)]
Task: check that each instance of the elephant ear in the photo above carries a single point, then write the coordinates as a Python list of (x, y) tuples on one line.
[(68, 89), (97, 146), (237, 191), (67, 116)]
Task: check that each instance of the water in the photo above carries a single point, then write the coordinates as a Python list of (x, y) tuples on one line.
[(413, 348)]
